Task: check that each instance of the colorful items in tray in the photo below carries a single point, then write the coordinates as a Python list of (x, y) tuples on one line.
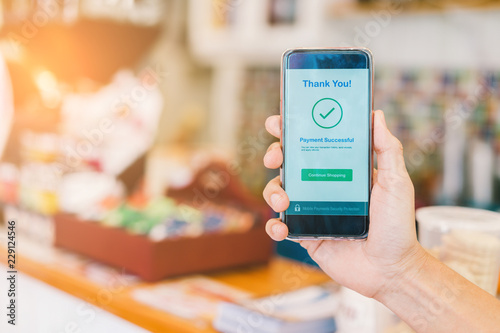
[(164, 218)]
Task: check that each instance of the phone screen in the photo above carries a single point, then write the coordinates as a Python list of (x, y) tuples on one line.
[(327, 142)]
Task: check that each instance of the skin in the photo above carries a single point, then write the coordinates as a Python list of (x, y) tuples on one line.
[(390, 265)]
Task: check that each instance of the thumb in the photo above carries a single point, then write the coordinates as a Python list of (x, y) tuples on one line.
[(389, 150)]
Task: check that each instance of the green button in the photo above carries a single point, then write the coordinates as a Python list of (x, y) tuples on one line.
[(328, 175)]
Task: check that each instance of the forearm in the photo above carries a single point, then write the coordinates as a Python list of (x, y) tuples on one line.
[(434, 298)]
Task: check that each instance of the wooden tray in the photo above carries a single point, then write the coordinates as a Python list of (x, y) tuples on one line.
[(153, 261)]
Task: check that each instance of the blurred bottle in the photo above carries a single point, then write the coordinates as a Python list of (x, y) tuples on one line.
[(360, 314), (454, 146)]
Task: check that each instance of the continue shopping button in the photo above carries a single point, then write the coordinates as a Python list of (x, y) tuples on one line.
[(327, 175)]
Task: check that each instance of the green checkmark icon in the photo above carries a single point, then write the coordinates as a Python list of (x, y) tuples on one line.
[(328, 119), (324, 117)]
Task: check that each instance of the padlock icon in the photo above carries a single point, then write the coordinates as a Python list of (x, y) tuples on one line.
[(297, 208)]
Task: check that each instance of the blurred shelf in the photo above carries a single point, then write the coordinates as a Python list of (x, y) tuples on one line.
[(280, 275), (436, 36), (409, 7)]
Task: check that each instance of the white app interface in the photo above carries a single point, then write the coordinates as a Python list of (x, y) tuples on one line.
[(327, 115)]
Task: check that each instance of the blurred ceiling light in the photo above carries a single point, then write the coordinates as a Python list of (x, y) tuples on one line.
[(49, 88)]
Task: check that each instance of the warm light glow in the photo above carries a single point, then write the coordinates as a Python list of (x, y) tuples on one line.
[(49, 88)]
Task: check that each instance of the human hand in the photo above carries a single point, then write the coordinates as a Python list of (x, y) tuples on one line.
[(391, 249)]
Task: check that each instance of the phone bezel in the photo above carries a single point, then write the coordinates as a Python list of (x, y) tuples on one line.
[(369, 55)]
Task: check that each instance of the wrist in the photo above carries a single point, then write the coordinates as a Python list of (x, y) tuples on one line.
[(408, 270)]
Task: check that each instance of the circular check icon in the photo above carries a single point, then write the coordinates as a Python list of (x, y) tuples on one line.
[(327, 113)]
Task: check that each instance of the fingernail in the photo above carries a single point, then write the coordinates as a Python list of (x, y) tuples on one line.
[(275, 198), (276, 229), (266, 158)]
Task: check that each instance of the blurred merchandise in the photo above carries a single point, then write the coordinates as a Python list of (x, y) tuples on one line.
[(466, 239), (211, 219), (38, 188), (360, 314), (38, 172), (481, 164), (434, 222), (163, 218), (213, 213), (89, 202), (445, 119), (309, 309), (9, 183), (42, 147), (474, 255), (195, 298), (91, 145), (175, 167), (100, 123)]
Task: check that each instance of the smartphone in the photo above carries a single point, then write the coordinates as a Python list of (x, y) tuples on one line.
[(326, 137)]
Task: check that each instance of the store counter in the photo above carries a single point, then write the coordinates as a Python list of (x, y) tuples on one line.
[(280, 275)]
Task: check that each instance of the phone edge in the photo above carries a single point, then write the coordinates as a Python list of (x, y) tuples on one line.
[(369, 54)]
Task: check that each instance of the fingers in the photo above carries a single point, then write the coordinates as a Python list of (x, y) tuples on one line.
[(274, 156), (278, 200), (273, 125), (275, 196), (389, 150), (333, 255), (276, 229)]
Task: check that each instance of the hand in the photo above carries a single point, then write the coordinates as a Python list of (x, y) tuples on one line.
[(391, 249)]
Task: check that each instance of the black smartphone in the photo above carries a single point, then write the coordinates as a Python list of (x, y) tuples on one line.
[(326, 137)]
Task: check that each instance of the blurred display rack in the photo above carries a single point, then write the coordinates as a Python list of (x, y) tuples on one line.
[(435, 37), (341, 8), (238, 35), (239, 32), (258, 280)]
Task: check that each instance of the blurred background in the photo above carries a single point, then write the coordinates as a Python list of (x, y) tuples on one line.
[(131, 138)]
